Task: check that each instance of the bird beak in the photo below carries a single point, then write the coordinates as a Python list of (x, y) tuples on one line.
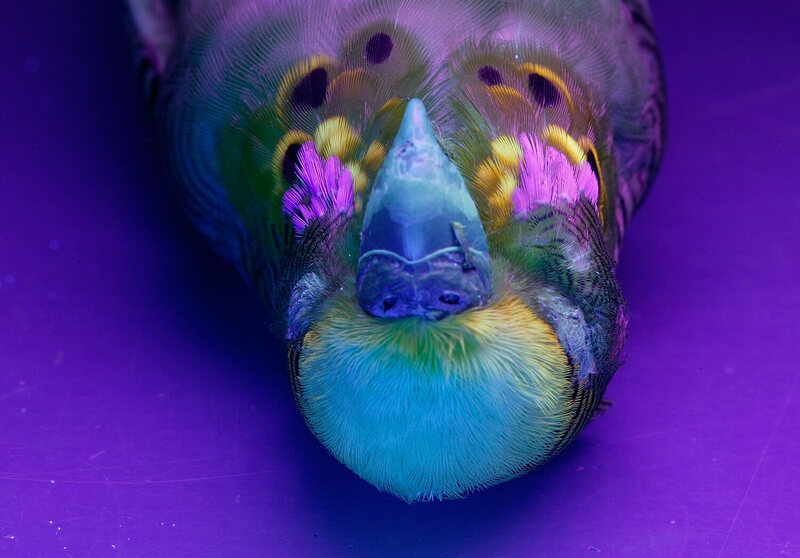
[(423, 248)]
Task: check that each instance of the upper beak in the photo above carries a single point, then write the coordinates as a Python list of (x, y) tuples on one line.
[(423, 249)]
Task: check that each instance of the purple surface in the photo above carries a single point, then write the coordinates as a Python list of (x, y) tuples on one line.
[(145, 411)]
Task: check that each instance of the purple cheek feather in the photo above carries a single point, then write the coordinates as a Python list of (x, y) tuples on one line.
[(548, 178), (322, 188)]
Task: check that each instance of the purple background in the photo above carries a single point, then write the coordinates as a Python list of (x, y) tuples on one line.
[(145, 411)]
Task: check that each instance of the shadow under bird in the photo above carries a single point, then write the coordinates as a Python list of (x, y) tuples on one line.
[(430, 197)]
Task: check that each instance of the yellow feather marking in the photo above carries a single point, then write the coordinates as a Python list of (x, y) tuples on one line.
[(487, 176), (602, 198), (393, 105), (373, 158), (359, 177), (295, 74), (553, 78), (291, 137), (496, 183), (508, 182), (459, 343), (561, 140), (500, 200), (346, 86), (508, 99), (387, 119), (507, 151), (336, 138)]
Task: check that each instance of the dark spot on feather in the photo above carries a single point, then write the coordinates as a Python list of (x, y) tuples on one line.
[(144, 68), (490, 76), (449, 298), (152, 91), (378, 48), (309, 93), (639, 19), (593, 164), (389, 302), (542, 90), (289, 163)]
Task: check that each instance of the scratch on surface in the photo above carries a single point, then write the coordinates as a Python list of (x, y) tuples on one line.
[(159, 463), (690, 427), (142, 481), (769, 93), (764, 451)]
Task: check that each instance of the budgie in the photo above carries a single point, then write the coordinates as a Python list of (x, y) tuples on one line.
[(429, 196)]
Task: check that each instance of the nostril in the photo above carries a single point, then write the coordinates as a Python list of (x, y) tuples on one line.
[(449, 298), (389, 302)]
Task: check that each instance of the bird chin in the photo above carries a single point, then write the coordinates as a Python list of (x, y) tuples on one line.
[(432, 410)]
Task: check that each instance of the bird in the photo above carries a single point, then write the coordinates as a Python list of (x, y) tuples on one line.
[(430, 197)]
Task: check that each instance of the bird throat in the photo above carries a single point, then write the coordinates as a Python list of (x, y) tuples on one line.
[(435, 409)]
